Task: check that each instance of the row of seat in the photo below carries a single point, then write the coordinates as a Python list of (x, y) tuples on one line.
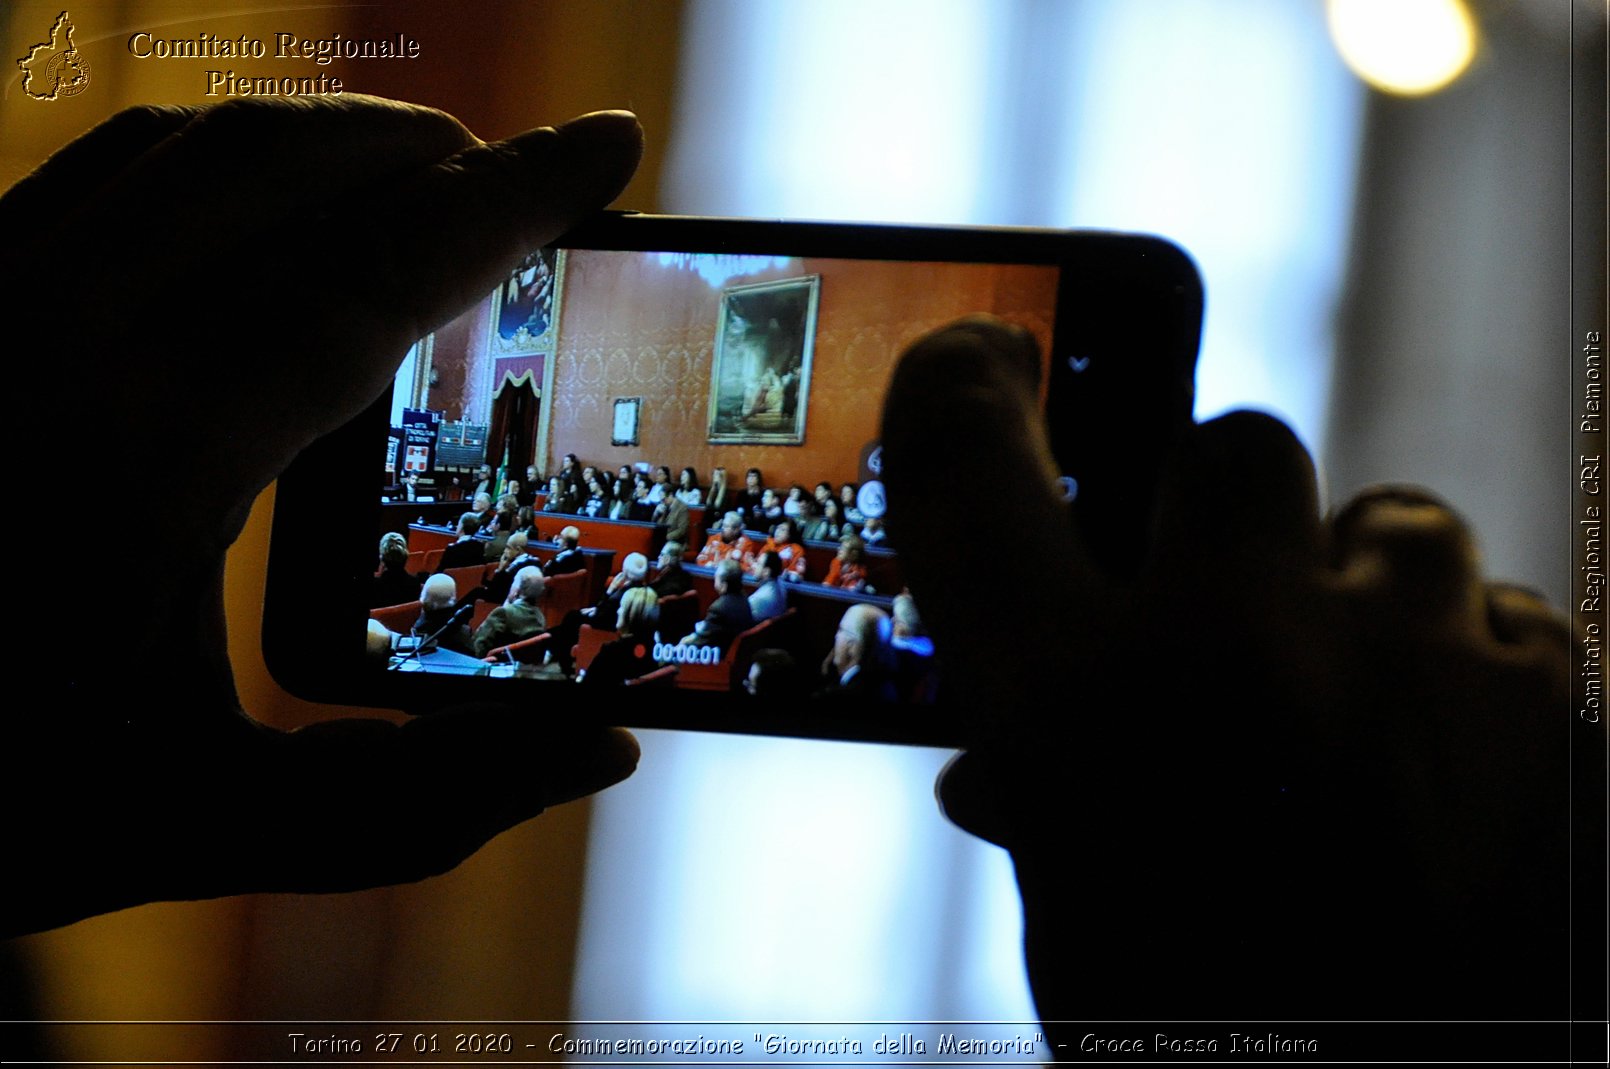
[(678, 615), (726, 674), (561, 594)]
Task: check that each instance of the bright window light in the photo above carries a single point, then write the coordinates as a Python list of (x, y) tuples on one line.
[(1408, 47), (736, 877)]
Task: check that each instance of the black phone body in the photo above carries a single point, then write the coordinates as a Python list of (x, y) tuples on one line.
[(639, 341)]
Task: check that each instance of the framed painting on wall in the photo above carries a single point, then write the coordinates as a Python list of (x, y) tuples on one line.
[(526, 305), (760, 376), (624, 426)]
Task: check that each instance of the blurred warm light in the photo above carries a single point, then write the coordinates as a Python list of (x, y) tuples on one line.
[(1408, 47)]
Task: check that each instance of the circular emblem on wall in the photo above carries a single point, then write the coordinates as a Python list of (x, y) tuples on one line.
[(870, 499)]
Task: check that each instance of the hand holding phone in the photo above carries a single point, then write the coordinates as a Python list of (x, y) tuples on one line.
[(210, 238), (1286, 769)]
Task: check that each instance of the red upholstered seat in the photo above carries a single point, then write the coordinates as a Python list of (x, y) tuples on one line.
[(467, 578), (728, 673), (660, 677), (416, 561), (433, 557), (562, 594), (588, 643), (526, 651), (678, 615), (483, 609), (398, 618)]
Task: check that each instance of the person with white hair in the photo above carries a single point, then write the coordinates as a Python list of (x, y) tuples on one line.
[(519, 617), (856, 666), (602, 616), (633, 574), (482, 507), (438, 605)]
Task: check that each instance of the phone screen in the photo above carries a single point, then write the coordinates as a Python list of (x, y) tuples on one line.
[(547, 446)]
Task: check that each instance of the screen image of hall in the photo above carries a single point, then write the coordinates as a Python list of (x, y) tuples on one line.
[(626, 363)]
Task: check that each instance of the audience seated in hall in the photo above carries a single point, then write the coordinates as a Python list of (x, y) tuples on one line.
[(467, 550), (748, 502), (597, 503), (663, 495), (659, 485), (729, 543), (729, 614), (826, 525), (857, 667), (530, 486), (687, 488), (602, 616), (620, 502), (720, 498), (770, 510), (847, 497), (505, 521), (642, 508), (437, 608), (517, 618), (394, 585), (516, 555), (569, 474), (848, 570), (794, 504), (630, 655), (633, 574), (669, 577), (784, 542), (769, 599), (570, 557), (483, 509), (561, 498), (774, 674), (673, 514)]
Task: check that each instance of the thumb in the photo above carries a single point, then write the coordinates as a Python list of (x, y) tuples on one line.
[(962, 420), (377, 803)]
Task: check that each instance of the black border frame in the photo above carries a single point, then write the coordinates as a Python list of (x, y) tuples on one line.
[(1131, 302)]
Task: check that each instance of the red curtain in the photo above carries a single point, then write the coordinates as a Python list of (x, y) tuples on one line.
[(515, 408)]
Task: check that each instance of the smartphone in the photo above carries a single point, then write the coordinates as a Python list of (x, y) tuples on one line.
[(602, 388)]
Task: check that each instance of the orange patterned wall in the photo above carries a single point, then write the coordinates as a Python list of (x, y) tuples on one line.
[(633, 327)]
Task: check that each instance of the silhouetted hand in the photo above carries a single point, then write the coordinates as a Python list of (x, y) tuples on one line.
[(1295, 770), (204, 291)]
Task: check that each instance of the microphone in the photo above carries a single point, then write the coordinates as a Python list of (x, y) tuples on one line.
[(453, 621)]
